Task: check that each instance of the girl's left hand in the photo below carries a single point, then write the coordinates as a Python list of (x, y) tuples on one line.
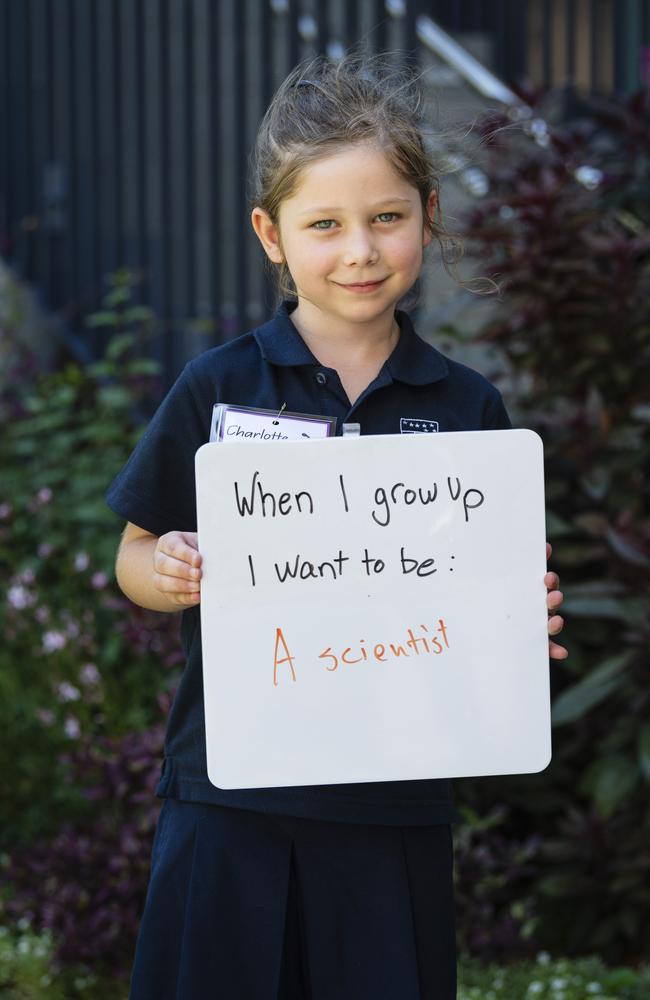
[(554, 599)]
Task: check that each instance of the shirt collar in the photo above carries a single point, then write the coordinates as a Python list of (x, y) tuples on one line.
[(413, 360)]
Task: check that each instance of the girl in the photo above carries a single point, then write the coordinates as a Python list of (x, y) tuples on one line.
[(337, 892)]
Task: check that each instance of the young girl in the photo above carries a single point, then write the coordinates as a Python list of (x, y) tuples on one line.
[(336, 892)]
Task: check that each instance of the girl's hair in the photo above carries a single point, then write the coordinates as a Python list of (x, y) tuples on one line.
[(324, 106)]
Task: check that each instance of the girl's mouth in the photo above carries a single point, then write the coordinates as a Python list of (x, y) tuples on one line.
[(364, 286)]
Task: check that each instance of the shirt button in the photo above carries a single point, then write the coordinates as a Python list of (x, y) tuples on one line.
[(321, 378)]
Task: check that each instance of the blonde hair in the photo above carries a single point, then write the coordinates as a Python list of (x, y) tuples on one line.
[(323, 106)]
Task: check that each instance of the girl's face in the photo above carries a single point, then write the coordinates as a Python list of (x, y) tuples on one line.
[(351, 234)]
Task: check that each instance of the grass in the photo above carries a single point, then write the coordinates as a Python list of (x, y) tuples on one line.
[(552, 979), (27, 972)]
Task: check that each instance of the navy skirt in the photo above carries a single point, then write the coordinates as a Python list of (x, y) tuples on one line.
[(250, 906)]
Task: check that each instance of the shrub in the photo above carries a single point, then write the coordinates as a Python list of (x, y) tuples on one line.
[(77, 657), (86, 884), (565, 228), (494, 874), (30, 971)]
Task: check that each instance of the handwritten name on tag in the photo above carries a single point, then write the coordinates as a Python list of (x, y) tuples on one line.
[(242, 423)]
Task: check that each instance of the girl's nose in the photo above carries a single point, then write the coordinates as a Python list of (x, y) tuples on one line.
[(360, 249)]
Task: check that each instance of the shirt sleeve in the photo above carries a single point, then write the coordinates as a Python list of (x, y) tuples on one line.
[(156, 489), (495, 415)]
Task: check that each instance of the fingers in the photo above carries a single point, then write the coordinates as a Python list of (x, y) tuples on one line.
[(554, 599), (180, 545), (177, 571)]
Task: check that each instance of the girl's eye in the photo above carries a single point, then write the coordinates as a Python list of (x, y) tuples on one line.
[(325, 225)]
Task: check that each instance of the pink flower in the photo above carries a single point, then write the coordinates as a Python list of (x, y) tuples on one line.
[(71, 727), (81, 561), (89, 674), (44, 495), (27, 576), (45, 716), (5, 511), (53, 640), (19, 597), (68, 692), (99, 580)]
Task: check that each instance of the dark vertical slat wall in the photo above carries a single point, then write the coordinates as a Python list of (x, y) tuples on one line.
[(156, 278), (5, 116), (131, 244), (126, 125), (109, 139)]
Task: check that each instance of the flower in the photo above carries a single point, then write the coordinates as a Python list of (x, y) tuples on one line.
[(5, 511), (89, 674), (71, 727), (99, 580), (42, 614), (81, 561), (44, 550), (72, 629), (68, 692), (19, 597), (53, 640), (44, 495)]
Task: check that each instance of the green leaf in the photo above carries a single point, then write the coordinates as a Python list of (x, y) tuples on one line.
[(580, 698), (117, 297), (114, 396), (144, 366), (556, 526), (596, 483), (101, 318), (644, 750), (118, 346), (609, 781), (594, 607), (137, 314), (625, 549)]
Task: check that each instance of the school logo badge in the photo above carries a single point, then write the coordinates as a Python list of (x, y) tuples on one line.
[(411, 425)]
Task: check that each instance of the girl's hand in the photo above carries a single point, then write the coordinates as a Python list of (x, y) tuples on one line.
[(554, 599), (177, 572)]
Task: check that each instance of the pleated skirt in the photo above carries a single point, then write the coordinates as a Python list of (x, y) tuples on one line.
[(249, 906)]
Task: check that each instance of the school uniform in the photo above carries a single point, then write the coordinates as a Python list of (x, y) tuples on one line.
[(325, 892)]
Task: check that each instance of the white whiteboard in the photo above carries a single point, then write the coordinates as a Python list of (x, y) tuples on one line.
[(431, 662)]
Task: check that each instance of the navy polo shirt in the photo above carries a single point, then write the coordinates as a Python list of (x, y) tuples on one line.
[(266, 368)]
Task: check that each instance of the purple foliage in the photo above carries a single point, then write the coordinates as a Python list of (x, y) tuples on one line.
[(494, 875), (87, 883)]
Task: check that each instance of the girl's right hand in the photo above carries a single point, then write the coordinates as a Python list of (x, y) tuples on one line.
[(177, 567)]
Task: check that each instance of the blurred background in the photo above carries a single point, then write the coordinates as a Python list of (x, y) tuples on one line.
[(125, 249)]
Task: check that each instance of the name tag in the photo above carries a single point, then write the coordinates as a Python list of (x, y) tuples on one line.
[(245, 423)]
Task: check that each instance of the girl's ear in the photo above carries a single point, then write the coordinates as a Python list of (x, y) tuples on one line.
[(432, 201), (268, 234)]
